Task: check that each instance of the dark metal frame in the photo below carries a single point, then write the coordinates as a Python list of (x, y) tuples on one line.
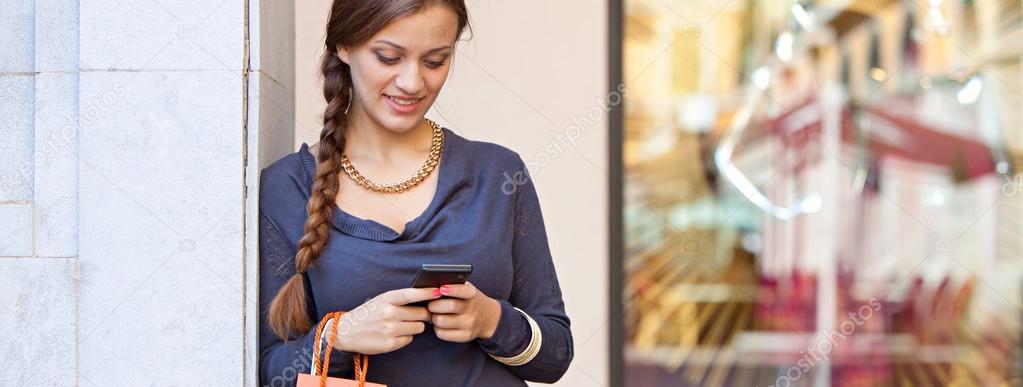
[(616, 189)]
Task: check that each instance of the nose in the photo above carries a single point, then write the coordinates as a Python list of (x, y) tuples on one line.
[(410, 78)]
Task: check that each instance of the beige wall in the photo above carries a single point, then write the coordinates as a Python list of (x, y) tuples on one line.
[(532, 69)]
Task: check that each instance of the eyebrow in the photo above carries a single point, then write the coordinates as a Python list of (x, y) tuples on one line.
[(397, 46)]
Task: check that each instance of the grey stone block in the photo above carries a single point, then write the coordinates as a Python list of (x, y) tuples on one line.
[(162, 35), (17, 25), (161, 227), (15, 230), (56, 35), (38, 320), (16, 109), (56, 165)]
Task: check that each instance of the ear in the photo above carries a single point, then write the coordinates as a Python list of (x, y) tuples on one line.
[(344, 54)]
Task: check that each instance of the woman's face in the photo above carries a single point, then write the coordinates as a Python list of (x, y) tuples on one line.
[(398, 73)]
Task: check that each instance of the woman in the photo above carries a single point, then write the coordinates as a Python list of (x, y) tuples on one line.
[(332, 238)]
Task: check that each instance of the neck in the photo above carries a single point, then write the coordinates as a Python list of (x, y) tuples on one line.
[(367, 139)]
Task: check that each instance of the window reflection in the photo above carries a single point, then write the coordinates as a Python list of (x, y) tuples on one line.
[(822, 193)]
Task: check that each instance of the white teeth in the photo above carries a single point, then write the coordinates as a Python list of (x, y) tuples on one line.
[(403, 102)]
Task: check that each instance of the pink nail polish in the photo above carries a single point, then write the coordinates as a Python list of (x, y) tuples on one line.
[(436, 292), (445, 289)]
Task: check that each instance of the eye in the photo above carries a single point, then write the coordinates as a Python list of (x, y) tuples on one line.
[(387, 60), (434, 65)]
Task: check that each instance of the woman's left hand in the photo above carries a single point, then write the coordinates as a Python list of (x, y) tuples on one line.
[(465, 314)]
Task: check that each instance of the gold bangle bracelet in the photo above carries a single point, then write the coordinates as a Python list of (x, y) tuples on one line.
[(527, 355)]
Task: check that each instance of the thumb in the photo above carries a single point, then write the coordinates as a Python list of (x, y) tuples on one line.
[(408, 296)]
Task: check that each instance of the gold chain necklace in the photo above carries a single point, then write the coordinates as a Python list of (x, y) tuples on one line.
[(407, 184)]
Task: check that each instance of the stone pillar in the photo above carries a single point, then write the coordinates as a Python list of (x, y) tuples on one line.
[(270, 135), (38, 191), (132, 138)]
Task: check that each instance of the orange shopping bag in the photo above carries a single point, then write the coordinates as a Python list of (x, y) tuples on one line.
[(317, 377)]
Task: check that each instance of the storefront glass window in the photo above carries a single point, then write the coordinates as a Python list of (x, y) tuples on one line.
[(822, 193)]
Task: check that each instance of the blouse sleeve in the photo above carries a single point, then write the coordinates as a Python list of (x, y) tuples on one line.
[(535, 291), (281, 361)]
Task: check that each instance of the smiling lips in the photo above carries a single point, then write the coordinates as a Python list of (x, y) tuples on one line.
[(402, 104)]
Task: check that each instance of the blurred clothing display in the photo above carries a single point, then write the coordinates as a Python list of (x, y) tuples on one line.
[(822, 193)]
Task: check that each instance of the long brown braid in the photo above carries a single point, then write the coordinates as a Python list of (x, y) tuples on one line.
[(351, 23)]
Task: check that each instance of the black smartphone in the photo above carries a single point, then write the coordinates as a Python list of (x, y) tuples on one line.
[(436, 275)]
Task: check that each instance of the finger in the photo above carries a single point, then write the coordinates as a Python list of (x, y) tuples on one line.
[(446, 305), (412, 313), (400, 341), (464, 291), (407, 328), (453, 335), (446, 321), (408, 296)]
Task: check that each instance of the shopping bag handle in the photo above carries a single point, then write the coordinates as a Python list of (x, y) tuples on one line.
[(333, 320)]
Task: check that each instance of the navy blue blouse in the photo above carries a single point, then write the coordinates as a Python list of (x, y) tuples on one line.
[(485, 212)]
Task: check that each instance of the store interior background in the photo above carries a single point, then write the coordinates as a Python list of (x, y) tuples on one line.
[(821, 193), (783, 164)]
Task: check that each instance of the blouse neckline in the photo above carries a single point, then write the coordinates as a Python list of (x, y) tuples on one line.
[(372, 230)]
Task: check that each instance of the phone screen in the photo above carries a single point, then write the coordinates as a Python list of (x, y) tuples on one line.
[(435, 276)]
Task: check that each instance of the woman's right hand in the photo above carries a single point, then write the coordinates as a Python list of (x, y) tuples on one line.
[(385, 323)]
